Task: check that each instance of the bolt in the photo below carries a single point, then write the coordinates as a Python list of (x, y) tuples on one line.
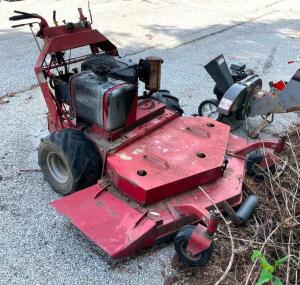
[(215, 214)]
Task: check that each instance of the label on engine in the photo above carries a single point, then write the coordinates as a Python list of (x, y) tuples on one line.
[(225, 104)]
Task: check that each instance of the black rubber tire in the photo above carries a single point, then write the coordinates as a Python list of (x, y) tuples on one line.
[(211, 101), (180, 242), (253, 171), (165, 97), (78, 159)]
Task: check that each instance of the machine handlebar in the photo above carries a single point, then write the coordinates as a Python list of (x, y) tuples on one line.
[(25, 15)]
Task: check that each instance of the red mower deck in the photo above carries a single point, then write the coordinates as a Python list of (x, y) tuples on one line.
[(121, 228), (130, 227)]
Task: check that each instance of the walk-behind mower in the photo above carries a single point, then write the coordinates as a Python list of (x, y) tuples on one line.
[(240, 96), (146, 174)]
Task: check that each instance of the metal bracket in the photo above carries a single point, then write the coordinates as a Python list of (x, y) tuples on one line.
[(254, 132)]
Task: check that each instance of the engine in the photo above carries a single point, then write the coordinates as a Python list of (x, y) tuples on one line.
[(105, 85), (223, 76), (105, 89)]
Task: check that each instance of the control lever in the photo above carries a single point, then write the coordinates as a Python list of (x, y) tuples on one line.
[(54, 18), (25, 24)]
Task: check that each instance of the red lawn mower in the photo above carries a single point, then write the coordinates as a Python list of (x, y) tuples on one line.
[(134, 171)]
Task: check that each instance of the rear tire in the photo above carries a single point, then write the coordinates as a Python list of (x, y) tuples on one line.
[(180, 243), (209, 109), (69, 161), (166, 98)]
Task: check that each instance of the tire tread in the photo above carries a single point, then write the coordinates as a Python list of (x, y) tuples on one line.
[(81, 155)]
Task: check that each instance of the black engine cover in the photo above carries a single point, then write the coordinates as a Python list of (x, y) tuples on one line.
[(119, 68)]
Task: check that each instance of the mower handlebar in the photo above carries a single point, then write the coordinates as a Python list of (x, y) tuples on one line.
[(23, 17)]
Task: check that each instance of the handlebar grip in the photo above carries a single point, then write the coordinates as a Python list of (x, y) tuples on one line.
[(22, 13), (22, 17)]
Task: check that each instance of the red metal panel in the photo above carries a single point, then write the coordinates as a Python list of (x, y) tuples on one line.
[(147, 119), (108, 221), (175, 158), (227, 188), (74, 40), (199, 241), (238, 146), (279, 85)]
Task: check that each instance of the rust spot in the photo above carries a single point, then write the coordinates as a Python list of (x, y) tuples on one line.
[(198, 131), (113, 213), (228, 172), (124, 156), (293, 109), (100, 204)]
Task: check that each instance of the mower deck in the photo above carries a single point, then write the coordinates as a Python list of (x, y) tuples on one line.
[(121, 226)]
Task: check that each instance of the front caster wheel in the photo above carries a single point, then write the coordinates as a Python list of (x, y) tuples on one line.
[(180, 243), (253, 169), (209, 109)]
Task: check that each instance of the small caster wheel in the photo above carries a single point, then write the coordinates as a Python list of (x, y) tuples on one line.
[(209, 109), (180, 243), (253, 169)]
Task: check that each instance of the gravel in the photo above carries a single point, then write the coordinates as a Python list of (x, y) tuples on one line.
[(38, 246)]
